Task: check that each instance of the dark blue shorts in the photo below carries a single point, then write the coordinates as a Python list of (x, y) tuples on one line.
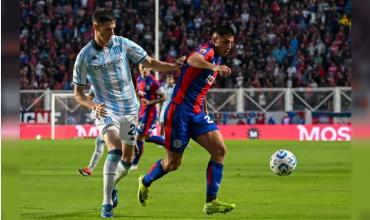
[(181, 124), (147, 122)]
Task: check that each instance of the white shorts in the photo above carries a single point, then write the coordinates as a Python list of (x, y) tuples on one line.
[(161, 116), (125, 125)]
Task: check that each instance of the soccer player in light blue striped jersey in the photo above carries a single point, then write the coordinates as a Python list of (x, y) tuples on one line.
[(104, 62), (168, 89)]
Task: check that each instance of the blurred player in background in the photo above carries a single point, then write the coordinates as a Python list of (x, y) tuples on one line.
[(168, 89), (104, 61), (99, 146), (185, 118), (150, 93)]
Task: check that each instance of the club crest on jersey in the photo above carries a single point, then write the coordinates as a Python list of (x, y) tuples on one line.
[(203, 51), (147, 87), (177, 143), (117, 49), (210, 79)]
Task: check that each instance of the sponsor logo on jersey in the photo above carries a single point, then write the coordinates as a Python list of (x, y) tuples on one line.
[(109, 64)]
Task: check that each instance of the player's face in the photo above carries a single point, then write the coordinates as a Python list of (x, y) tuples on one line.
[(170, 81), (144, 71), (223, 44), (104, 31)]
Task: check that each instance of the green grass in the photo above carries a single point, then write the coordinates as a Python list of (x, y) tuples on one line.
[(319, 188)]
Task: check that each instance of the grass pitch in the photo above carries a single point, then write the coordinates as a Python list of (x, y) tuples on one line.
[(319, 188)]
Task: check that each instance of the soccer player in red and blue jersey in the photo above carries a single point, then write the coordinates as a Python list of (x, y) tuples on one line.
[(185, 118), (150, 93)]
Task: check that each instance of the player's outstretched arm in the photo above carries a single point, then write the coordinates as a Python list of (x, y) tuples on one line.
[(198, 61), (161, 66), (161, 99)]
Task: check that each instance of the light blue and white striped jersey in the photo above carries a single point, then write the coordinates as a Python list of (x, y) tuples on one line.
[(108, 71), (168, 91)]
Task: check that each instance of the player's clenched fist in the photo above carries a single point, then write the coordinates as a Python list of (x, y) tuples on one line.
[(180, 61), (144, 101), (223, 70), (100, 110)]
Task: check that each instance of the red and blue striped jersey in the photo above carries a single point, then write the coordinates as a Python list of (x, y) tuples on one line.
[(193, 83), (147, 87)]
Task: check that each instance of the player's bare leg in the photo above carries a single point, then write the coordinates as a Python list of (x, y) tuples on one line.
[(213, 142), (171, 162)]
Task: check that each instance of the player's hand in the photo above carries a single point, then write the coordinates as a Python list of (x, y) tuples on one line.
[(145, 101), (180, 61), (100, 110), (223, 70)]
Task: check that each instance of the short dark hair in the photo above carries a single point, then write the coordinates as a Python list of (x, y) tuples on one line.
[(102, 15), (223, 30)]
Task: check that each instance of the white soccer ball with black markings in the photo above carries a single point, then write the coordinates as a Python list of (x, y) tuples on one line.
[(283, 162)]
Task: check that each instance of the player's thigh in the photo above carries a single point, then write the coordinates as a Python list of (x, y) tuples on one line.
[(177, 134), (109, 127), (213, 142)]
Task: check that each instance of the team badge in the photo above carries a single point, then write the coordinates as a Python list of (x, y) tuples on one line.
[(117, 49), (177, 143)]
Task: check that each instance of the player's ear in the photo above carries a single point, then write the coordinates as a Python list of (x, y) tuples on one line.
[(95, 26), (215, 37)]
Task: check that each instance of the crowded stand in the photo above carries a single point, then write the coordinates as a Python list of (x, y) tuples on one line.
[(279, 43)]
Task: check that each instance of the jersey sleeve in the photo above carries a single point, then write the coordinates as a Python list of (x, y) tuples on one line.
[(135, 53), (206, 52), (80, 71)]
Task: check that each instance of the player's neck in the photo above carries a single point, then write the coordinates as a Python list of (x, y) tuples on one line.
[(216, 52), (100, 43)]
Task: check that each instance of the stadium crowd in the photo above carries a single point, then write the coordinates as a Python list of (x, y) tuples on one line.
[(280, 43)]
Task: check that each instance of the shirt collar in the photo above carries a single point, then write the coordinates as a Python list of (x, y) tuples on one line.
[(99, 48)]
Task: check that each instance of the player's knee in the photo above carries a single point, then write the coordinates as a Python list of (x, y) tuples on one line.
[(220, 150), (141, 137), (99, 151), (112, 139)]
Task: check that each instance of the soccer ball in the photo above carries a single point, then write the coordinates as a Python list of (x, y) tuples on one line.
[(283, 162)]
